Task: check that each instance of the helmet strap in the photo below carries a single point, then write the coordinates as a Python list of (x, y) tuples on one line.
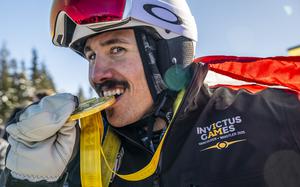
[(164, 106), (163, 110), (148, 53), (152, 51)]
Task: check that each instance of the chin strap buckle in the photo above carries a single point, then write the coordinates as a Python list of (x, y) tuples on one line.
[(164, 109)]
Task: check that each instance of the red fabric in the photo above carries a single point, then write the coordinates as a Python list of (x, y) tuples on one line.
[(282, 71)]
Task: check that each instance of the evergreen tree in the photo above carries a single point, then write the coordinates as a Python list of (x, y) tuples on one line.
[(5, 95), (15, 88), (46, 79), (40, 77), (35, 75), (80, 94), (5, 77), (24, 88), (91, 91)]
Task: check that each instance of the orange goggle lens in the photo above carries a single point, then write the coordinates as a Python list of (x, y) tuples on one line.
[(87, 11)]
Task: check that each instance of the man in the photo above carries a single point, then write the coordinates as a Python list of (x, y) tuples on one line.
[(141, 51)]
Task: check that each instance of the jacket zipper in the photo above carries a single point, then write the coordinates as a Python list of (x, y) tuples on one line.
[(132, 141), (156, 182)]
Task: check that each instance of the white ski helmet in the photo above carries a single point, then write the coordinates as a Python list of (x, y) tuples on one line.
[(73, 20), (168, 24)]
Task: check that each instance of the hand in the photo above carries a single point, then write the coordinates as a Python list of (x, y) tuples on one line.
[(41, 141)]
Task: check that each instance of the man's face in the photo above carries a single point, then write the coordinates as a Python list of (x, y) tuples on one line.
[(115, 68)]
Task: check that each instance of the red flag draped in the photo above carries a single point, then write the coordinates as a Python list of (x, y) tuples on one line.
[(271, 71)]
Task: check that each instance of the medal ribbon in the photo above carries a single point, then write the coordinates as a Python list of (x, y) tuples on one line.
[(91, 151)]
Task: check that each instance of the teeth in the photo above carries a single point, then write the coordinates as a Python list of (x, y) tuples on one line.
[(117, 91)]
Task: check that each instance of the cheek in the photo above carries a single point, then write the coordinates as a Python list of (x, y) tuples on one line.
[(91, 70), (135, 70), (141, 89), (91, 75)]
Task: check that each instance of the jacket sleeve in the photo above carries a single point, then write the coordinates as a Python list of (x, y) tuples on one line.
[(6, 180), (292, 113)]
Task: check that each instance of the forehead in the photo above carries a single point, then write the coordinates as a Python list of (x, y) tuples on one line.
[(124, 34)]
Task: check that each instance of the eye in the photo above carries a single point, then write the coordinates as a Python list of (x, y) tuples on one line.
[(117, 50), (91, 57)]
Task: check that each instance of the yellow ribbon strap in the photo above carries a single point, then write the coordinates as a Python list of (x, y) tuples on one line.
[(91, 151), (150, 168), (91, 135), (111, 147), (90, 161)]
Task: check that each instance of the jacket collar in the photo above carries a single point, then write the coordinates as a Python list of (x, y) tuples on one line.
[(196, 96)]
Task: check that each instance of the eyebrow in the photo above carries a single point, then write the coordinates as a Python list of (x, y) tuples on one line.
[(106, 43), (86, 49), (113, 41)]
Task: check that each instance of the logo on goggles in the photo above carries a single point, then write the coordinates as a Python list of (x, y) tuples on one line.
[(163, 14)]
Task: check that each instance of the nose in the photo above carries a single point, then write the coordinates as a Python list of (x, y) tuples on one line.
[(100, 71)]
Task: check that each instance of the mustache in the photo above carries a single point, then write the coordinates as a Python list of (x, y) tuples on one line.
[(110, 84)]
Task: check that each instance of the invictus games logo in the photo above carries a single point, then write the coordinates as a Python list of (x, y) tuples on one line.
[(220, 131), (224, 126)]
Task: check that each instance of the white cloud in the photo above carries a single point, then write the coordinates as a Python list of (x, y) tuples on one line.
[(288, 9)]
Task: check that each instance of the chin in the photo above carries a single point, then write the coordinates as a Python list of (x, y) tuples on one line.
[(115, 120), (116, 123), (121, 118)]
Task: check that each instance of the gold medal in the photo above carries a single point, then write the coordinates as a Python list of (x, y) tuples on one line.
[(91, 106), (91, 136)]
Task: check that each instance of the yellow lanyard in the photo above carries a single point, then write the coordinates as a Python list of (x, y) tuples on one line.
[(91, 148), (90, 160)]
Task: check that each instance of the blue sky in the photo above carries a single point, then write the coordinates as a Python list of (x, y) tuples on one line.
[(231, 27)]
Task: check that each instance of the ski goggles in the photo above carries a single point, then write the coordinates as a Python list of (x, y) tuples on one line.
[(70, 18)]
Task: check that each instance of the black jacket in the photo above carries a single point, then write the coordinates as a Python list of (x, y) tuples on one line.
[(219, 138)]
